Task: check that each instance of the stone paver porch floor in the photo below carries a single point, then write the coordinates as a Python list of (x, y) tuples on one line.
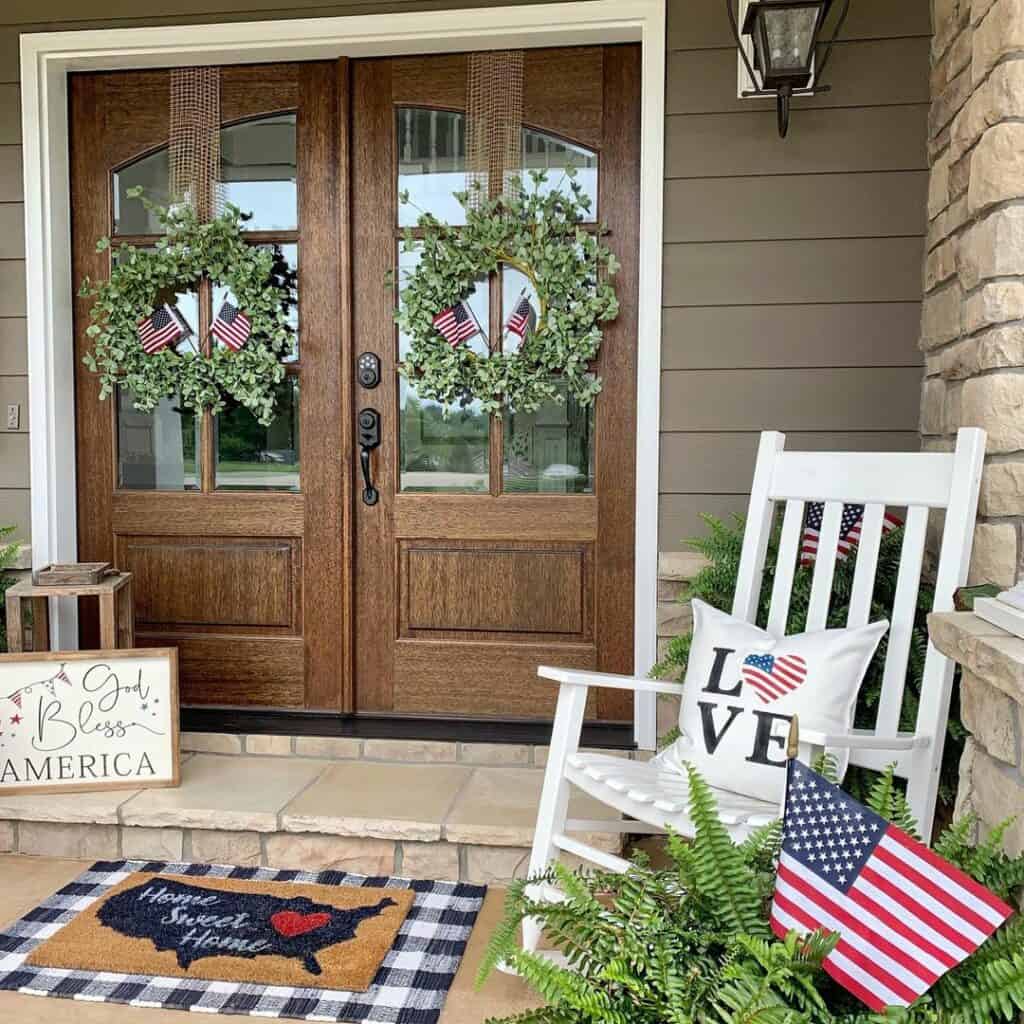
[(420, 820), (24, 881)]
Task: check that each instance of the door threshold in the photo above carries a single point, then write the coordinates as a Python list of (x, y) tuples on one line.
[(259, 721)]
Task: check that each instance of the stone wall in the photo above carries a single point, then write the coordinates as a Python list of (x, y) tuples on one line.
[(992, 708), (972, 325)]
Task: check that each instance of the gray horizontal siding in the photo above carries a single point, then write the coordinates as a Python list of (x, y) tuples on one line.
[(13, 347), (891, 138), (825, 334), (797, 270), (704, 81), (792, 272), (854, 398), (699, 25), (713, 463), (787, 206)]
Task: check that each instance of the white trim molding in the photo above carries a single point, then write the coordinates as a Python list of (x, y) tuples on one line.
[(48, 58)]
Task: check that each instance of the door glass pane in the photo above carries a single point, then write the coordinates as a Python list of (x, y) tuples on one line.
[(258, 169), (251, 457), (286, 274), (550, 450), (543, 152), (158, 450), (431, 163), (152, 174), (439, 453)]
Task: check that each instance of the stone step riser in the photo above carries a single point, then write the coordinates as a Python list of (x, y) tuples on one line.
[(481, 864), (346, 748)]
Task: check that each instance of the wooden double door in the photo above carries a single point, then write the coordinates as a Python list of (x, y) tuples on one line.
[(497, 544)]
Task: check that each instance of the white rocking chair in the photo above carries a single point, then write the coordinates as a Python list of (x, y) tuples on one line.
[(654, 797)]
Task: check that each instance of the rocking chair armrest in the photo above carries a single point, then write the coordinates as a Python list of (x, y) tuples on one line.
[(583, 677), (863, 740)]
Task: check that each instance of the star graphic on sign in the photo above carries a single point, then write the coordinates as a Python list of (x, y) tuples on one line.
[(15, 719)]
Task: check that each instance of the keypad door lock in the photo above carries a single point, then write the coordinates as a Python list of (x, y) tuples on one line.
[(368, 369)]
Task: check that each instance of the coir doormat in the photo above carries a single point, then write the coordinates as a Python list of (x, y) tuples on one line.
[(211, 938)]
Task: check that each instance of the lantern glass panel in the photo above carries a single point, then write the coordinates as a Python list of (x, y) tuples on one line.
[(785, 42)]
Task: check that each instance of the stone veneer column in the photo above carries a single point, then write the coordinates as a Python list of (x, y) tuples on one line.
[(972, 324)]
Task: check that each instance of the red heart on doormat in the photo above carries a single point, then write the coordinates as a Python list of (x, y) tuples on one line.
[(290, 924)]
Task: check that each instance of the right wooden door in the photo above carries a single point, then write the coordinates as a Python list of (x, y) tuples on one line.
[(498, 544)]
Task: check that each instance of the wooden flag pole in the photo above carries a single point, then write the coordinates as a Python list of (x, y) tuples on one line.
[(793, 740)]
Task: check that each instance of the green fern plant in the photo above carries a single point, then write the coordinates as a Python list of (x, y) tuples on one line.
[(690, 943), (716, 584), (8, 555)]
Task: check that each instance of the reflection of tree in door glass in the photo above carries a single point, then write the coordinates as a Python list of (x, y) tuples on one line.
[(550, 450), (442, 454)]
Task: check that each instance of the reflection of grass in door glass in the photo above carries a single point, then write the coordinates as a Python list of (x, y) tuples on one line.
[(440, 454)]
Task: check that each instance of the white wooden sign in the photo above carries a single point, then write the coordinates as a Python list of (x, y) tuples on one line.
[(88, 720)]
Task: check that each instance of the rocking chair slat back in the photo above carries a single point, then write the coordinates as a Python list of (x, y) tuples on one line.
[(785, 569), (867, 566), (916, 481), (824, 566), (901, 621)]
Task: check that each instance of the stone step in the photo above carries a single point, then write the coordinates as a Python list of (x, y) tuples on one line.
[(348, 748), (450, 820)]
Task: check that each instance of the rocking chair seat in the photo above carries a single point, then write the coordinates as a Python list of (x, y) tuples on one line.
[(656, 792)]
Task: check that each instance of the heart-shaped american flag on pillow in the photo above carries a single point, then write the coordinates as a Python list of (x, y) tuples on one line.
[(773, 676)]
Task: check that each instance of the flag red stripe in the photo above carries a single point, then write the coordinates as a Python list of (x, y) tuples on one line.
[(874, 908), (795, 672), (852, 923), (781, 686), (965, 881), (767, 693), (915, 909), (871, 967), (756, 677), (947, 899), (865, 995), (850, 951)]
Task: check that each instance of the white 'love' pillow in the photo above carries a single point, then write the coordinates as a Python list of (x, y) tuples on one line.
[(744, 684)]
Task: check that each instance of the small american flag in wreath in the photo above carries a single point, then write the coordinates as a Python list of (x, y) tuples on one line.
[(231, 326), (164, 326)]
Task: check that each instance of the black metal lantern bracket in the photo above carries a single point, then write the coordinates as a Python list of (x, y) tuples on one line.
[(784, 93)]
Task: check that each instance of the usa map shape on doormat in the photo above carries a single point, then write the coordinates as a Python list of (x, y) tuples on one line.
[(196, 923)]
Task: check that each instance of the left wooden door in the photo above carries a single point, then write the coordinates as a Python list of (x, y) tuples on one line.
[(236, 534)]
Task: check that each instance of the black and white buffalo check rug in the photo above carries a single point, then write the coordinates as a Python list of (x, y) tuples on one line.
[(409, 988)]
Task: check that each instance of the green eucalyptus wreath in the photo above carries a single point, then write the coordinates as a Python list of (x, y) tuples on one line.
[(541, 235), (141, 278)]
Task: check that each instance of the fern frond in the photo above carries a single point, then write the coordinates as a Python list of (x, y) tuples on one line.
[(723, 878), (995, 991)]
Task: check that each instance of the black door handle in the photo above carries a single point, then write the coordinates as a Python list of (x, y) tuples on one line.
[(369, 438)]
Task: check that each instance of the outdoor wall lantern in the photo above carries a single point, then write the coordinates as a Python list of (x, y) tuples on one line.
[(785, 38)]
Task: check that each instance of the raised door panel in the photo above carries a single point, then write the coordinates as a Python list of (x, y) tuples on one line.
[(214, 581), (493, 588), (488, 679), (238, 671)]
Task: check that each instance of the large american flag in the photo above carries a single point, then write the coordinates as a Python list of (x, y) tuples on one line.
[(456, 323), (904, 915), (164, 326), (849, 530), (231, 326)]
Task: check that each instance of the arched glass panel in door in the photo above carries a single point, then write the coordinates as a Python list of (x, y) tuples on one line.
[(163, 450)]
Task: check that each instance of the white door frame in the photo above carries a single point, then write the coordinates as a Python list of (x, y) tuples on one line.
[(46, 60)]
